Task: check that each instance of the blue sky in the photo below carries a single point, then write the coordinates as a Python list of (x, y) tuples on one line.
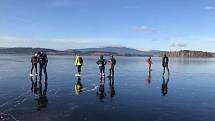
[(140, 24)]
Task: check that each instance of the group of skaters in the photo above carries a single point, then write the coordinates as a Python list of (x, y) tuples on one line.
[(101, 63), (165, 63), (41, 59)]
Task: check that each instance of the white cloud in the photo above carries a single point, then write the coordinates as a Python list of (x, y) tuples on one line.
[(57, 43), (178, 44), (211, 41), (143, 49), (155, 40), (209, 7), (143, 29)]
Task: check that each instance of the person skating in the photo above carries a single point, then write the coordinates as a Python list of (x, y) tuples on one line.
[(149, 62), (43, 61), (78, 64), (165, 62), (112, 63), (102, 62), (34, 61)]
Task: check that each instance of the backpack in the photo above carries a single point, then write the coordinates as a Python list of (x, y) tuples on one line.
[(81, 60)]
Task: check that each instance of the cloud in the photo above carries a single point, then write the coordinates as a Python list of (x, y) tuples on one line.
[(155, 40), (11, 41), (57, 43), (211, 41), (178, 44), (209, 7), (143, 29)]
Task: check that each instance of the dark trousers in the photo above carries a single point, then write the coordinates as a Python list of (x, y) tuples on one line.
[(111, 71), (164, 68), (79, 68), (102, 69), (43, 67), (32, 68)]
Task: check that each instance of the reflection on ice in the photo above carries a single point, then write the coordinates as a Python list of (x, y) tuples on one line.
[(111, 87), (123, 97), (78, 86), (164, 85), (101, 90), (40, 91), (42, 100)]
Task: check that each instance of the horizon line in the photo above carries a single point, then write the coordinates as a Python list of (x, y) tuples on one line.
[(104, 47)]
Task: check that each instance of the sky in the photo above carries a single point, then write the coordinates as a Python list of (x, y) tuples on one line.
[(140, 24)]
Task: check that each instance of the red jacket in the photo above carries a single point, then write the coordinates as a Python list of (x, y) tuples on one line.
[(34, 60)]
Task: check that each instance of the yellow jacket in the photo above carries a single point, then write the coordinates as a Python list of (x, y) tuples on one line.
[(78, 61)]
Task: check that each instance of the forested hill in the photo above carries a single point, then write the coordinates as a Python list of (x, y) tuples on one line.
[(118, 51), (189, 53)]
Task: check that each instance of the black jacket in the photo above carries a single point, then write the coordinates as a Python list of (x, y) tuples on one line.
[(101, 62), (165, 61)]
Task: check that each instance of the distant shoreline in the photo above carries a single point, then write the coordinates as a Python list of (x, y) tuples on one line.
[(116, 51), (97, 55)]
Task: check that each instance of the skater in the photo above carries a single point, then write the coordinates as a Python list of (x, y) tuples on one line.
[(112, 63), (102, 62), (149, 62), (165, 62), (34, 61), (43, 61), (78, 64)]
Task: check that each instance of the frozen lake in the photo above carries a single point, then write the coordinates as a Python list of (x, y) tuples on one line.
[(188, 94)]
